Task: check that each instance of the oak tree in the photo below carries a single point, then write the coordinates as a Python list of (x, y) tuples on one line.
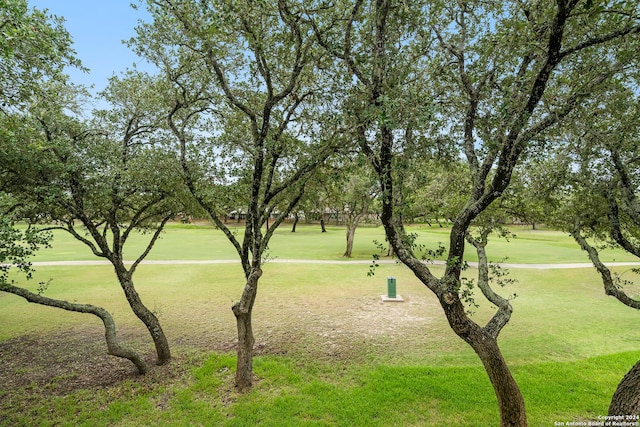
[(243, 94)]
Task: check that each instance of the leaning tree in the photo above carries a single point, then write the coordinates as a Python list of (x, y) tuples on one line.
[(35, 49), (101, 180), (496, 77), (16, 247)]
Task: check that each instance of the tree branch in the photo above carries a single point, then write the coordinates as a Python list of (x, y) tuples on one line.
[(610, 287), (502, 316), (149, 246)]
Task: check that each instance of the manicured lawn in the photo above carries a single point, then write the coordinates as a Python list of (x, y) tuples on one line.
[(199, 242), (330, 353), (559, 315)]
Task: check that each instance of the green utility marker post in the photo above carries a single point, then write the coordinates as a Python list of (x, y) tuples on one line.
[(391, 291), (391, 287)]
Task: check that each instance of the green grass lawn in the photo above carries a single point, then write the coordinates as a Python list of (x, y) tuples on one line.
[(330, 353), (198, 242), (289, 393)]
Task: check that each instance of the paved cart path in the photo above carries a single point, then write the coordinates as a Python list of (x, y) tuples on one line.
[(319, 261)]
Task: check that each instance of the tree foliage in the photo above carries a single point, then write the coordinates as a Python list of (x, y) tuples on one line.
[(34, 48), (454, 106), (99, 180)]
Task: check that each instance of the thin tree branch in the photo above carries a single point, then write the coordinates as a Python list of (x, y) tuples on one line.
[(607, 280)]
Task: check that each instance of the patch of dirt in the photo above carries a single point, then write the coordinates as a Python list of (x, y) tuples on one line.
[(348, 329), (64, 361), (331, 328), (36, 367)]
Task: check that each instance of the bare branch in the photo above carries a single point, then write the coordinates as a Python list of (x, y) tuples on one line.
[(503, 314), (152, 242), (610, 287)]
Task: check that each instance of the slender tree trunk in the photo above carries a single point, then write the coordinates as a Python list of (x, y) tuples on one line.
[(351, 233), (145, 315), (626, 399), (322, 226), (296, 218), (246, 340), (243, 311)]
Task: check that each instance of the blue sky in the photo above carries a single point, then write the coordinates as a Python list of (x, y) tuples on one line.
[(98, 28)]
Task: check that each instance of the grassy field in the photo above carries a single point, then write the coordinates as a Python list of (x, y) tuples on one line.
[(198, 242), (330, 353)]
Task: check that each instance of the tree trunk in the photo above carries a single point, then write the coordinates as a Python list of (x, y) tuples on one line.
[(510, 400), (322, 226), (243, 311), (246, 340), (626, 399), (145, 315), (113, 347), (351, 231), (296, 218)]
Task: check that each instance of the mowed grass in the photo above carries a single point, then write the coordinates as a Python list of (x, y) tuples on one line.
[(202, 242), (290, 393), (330, 353)]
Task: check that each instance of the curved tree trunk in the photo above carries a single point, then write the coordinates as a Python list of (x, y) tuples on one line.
[(113, 347), (243, 311), (145, 315), (484, 342), (295, 222), (510, 400), (626, 399)]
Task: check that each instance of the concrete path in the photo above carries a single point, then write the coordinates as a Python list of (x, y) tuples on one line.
[(318, 261)]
